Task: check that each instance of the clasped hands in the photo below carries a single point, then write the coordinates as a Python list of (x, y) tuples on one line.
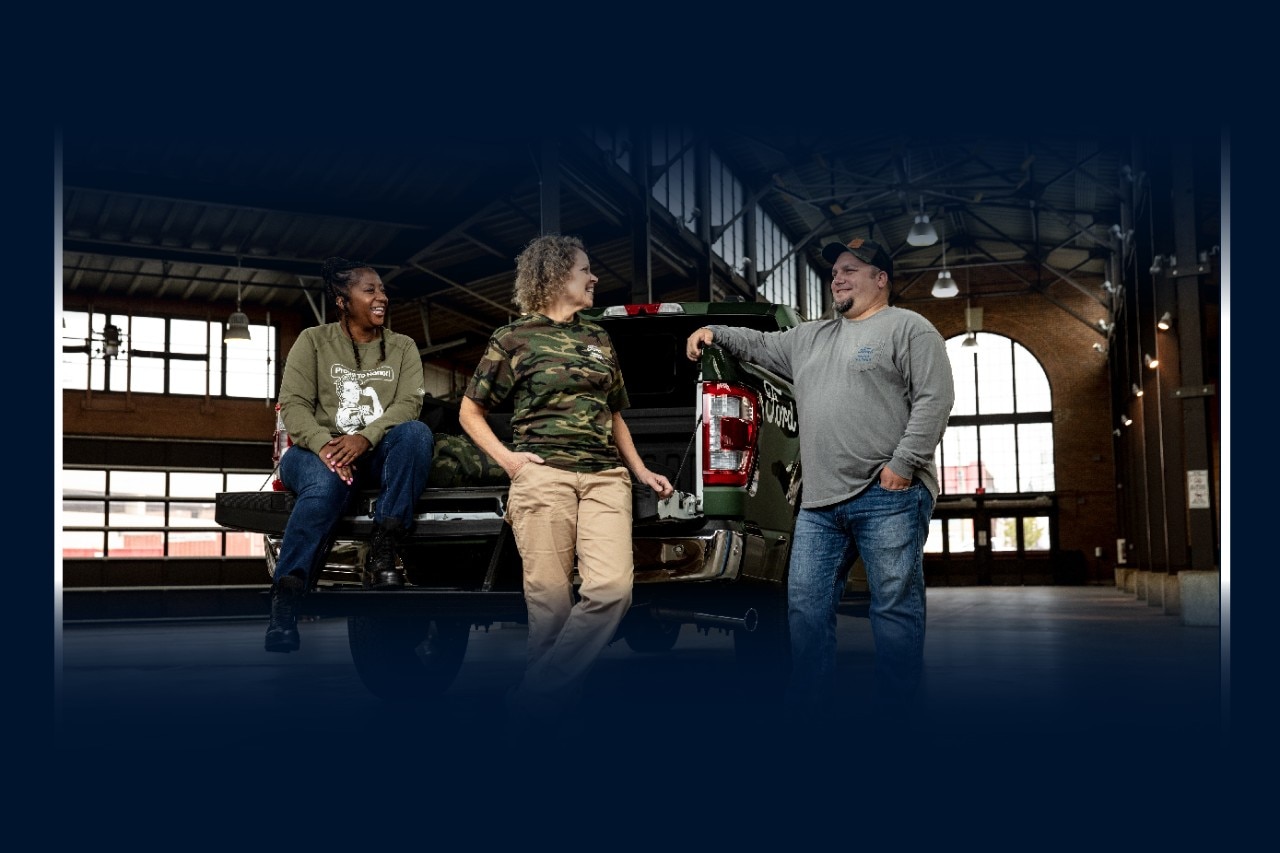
[(341, 453)]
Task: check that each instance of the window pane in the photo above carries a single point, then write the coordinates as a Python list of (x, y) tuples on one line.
[(193, 544), (85, 544), (245, 544), (189, 336), (83, 513), (75, 365), (137, 483), (97, 374), (147, 376), (1035, 533), (75, 371), (999, 459), (1004, 534), (249, 482), (249, 366), (191, 514), (960, 535), (1035, 456), (188, 377), (183, 484), (136, 514), (1033, 384), (75, 328), (995, 374), (216, 385), (119, 368), (962, 362), (960, 474), (145, 333), (81, 482), (816, 294), (933, 545), (129, 543)]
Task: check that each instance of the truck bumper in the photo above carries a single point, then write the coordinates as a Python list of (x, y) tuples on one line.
[(715, 555)]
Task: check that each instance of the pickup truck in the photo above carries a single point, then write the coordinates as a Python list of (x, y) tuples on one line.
[(713, 555)]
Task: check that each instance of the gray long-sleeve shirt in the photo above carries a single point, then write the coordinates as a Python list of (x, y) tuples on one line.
[(870, 393)]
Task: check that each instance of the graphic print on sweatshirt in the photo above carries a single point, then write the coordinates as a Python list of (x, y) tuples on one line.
[(352, 387)]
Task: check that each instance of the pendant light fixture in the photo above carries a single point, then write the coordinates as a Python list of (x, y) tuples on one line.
[(922, 233), (238, 322), (945, 287), (972, 316)]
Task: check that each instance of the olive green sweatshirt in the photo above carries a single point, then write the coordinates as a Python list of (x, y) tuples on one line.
[(324, 394)]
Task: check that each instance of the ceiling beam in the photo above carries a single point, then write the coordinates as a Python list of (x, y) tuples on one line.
[(122, 250), (280, 202)]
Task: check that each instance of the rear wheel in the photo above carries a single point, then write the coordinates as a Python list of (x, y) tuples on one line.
[(407, 657)]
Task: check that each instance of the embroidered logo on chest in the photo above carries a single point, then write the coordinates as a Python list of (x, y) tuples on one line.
[(594, 352), (864, 354)]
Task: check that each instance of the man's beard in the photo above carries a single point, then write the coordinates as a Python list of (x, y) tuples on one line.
[(842, 306)]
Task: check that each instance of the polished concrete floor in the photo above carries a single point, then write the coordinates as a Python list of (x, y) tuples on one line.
[(1016, 669)]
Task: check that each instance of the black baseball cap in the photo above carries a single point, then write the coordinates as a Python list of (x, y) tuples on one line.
[(864, 250)]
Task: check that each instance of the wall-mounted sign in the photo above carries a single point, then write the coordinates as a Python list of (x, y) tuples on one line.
[(1198, 489)]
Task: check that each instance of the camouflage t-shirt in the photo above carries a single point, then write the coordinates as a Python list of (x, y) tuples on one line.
[(564, 383)]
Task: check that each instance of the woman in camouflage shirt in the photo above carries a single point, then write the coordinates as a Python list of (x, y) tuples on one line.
[(570, 487)]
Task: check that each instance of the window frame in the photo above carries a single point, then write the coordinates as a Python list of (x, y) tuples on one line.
[(978, 504), (84, 357)]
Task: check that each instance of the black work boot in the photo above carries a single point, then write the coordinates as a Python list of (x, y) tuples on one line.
[(380, 565), (282, 631)]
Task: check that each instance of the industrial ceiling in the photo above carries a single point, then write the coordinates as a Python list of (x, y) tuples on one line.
[(203, 217)]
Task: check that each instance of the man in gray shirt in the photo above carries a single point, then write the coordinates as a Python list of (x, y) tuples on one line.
[(874, 390)]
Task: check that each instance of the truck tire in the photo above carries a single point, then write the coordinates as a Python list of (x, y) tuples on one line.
[(407, 657), (650, 636)]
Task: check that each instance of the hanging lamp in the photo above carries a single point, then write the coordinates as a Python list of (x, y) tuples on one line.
[(238, 322), (922, 233), (945, 287)]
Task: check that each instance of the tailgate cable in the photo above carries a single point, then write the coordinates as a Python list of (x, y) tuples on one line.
[(685, 458)]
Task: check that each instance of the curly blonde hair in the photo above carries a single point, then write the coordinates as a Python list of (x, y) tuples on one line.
[(542, 268)]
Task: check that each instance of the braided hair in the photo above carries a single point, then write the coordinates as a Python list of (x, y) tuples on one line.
[(337, 274)]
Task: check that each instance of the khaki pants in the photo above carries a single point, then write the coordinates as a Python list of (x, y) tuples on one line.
[(554, 514)]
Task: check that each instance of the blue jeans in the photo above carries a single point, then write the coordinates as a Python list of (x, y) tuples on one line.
[(398, 467), (888, 529)]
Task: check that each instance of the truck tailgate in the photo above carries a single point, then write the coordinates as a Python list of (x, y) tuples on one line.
[(467, 511)]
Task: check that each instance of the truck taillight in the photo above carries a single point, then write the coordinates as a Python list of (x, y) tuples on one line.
[(730, 429), (643, 308), (280, 443)]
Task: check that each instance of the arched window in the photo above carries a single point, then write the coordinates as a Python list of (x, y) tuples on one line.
[(1000, 436), (995, 462)]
